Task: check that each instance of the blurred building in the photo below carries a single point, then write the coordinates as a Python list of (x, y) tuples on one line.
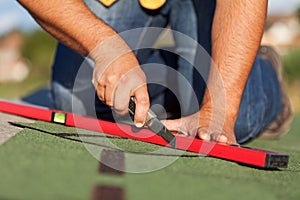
[(13, 67), (282, 31)]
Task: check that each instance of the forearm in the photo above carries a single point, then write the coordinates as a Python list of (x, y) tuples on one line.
[(236, 35), (71, 22), (68, 41)]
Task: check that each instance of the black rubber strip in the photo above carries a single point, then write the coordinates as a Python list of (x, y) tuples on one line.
[(274, 161)]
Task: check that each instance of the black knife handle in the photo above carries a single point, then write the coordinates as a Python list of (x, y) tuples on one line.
[(131, 106), (131, 109)]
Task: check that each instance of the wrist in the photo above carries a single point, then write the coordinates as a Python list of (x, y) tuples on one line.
[(220, 112), (109, 49)]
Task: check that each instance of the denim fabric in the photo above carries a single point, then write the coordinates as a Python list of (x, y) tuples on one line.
[(261, 101), (123, 16), (261, 98)]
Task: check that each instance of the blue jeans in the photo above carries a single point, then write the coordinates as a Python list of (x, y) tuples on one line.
[(261, 98), (123, 16)]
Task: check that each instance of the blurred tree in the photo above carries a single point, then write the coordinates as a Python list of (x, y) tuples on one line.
[(298, 14), (39, 49), (268, 24), (291, 62)]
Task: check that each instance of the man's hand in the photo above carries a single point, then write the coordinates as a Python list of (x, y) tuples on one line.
[(200, 125), (117, 79), (236, 34)]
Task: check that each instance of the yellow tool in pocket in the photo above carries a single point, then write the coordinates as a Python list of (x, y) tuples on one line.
[(152, 4), (107, 3), (148, 4)]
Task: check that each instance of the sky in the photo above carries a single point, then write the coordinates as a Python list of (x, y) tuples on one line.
[(14, 16)]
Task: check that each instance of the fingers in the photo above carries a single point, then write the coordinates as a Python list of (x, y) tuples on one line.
[(208, 136), (178, 126), (100, 89), (117, 82), (142, 104), (106, 89), (133, 83), (172, 125), (109, 89), (99, 82)]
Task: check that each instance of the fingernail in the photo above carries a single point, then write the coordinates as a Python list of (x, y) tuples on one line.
[(204, 136), (223, 138), (139, 125), (94, 83)]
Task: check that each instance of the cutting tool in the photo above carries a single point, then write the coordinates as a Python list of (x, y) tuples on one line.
[(154, 124)]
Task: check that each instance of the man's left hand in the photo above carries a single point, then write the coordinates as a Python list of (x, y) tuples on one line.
[(200, 125)]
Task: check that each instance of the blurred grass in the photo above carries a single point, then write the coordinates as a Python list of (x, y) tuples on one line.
[(291, 62), (39, 50), (291, 67)]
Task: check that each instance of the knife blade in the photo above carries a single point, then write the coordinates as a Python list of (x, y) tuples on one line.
[(154, 124)]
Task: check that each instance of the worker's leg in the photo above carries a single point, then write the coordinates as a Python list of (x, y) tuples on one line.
[(183, 21), (261, 101)]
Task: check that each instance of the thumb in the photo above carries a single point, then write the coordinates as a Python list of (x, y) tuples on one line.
[(173, 125)]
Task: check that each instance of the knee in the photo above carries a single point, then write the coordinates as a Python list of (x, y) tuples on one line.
[(65, 100), (62, 97), (250, 122)]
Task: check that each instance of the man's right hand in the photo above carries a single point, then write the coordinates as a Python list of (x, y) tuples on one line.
[(117, 78)]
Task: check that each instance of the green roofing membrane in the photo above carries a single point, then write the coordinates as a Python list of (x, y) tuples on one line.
[(49, 161)]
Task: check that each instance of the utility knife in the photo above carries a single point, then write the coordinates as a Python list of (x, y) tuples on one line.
[(154, 124)]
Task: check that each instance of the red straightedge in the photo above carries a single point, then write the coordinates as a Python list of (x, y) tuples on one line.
[(243, 155)]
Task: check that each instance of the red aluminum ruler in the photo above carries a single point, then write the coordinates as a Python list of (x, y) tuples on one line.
[(243, 155)]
